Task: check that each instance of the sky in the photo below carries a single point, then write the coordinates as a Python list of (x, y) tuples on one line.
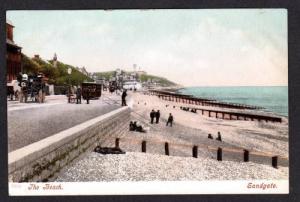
[(196, 47)]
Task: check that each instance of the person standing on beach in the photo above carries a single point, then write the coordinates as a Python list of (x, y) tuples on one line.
[(157, 116), (152, 115), (124, 94), (170, 120)]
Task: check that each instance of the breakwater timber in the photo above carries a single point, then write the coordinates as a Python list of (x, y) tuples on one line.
[(222, 114), (218, 153)]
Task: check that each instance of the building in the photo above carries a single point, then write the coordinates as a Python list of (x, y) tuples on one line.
[(55, 60), (140, 72), (13, 55), (84, 71)]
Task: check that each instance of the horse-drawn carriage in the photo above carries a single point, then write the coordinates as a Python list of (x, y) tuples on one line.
[(33, 87), (91, 90)]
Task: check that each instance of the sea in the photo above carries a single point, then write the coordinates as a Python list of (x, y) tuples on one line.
[(271, 98)]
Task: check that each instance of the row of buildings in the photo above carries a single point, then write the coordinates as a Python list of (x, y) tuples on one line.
[(14, 64), (13, 54), (14, 57)]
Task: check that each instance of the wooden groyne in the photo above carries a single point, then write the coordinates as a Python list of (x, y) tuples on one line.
[(219, 153), (221, 114), (188, 99), (233, 115)]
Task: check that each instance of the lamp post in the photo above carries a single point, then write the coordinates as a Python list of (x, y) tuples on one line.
[(69, 94)]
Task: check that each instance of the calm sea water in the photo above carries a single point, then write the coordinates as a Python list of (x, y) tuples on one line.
[(274, 99)]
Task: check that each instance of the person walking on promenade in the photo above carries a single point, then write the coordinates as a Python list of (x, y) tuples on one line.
[(152, 115), (88, 96), (170, 120), (157, 116), (78, 95), (124, 94)]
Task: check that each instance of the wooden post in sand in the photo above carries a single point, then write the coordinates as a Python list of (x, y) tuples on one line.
[(275, 161), (195, 151), (144, 146), (117, 143), (167, 149), (219, 154), (246, 155)]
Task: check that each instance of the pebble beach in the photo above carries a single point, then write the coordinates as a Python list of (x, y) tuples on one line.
[(188, 129)]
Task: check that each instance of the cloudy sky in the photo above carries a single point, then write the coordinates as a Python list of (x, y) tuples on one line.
[(221, 47)]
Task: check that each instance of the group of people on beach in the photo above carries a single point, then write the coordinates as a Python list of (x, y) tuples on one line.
[(156, 115), (133, 126)]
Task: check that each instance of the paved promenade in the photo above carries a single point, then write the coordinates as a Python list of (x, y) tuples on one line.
[(31, 122)]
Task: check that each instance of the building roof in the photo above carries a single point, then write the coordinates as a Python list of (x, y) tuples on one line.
[(9, 22), (10, 42)]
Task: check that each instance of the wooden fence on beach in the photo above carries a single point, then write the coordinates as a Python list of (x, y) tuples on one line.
[(220, 152)]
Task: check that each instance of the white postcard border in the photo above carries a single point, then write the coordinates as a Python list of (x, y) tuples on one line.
[(150, 187)]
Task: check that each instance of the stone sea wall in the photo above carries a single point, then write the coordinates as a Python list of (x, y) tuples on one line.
[(42, 160)]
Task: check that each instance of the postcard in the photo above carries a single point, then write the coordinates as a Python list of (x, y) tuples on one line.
[(159, 101)]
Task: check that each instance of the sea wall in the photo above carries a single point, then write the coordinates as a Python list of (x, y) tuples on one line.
[(42, 160)]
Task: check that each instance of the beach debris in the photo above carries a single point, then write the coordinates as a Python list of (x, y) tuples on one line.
[(108, 150), (219, 138), (210, 136)]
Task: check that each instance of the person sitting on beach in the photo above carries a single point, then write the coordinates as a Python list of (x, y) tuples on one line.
[(157, 116), (140, 129), (194, 110), (210, 136), (152, 115), (131, 126), (170, 120)]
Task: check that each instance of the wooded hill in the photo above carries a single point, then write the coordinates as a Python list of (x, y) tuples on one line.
[(56, 75)]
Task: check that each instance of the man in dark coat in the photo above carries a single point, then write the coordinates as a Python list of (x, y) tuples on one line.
[(88, 90), (157, 116), (124, 94), (170, 120), (78, 95), (152, 115)]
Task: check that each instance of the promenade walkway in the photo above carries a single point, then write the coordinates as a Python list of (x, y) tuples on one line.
[(31, 122)]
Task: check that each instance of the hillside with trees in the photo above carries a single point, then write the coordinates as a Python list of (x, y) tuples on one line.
[(56, 75)]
